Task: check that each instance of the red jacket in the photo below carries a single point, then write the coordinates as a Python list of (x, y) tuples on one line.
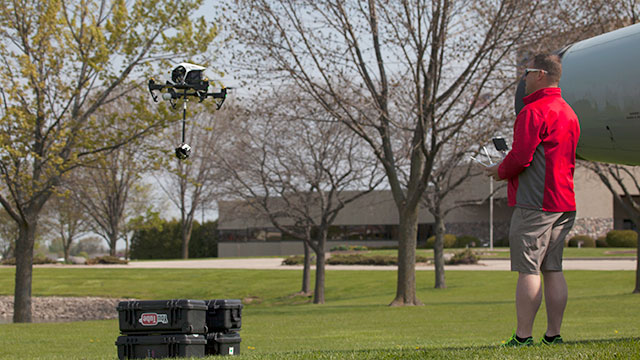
[(542, 160)]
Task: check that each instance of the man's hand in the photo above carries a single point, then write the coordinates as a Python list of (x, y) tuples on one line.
[(492, 171)]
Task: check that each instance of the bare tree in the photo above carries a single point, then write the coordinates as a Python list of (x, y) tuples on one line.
[(395, 73), (193, 183), (104, 188), (453, 167), (67, 220), (617, 179), (299, 170)]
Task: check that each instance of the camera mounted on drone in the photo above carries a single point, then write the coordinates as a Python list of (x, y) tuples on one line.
[(187, 80)]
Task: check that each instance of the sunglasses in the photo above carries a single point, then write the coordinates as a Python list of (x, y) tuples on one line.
[(528, 70)]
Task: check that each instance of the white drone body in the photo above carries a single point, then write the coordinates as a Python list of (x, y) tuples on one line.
[(186, 73)]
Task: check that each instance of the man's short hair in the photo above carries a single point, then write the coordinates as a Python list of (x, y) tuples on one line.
[(551, 63)]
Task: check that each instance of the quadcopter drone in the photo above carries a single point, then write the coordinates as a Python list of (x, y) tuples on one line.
[(186, 80)]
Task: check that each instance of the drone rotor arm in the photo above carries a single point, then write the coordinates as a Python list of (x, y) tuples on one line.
[(222, 95)]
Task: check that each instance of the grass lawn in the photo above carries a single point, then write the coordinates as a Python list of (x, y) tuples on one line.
[(465, 321), (503, 253)]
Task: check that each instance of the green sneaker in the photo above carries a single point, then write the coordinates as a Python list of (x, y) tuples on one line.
[(513, 342), (556, 340)]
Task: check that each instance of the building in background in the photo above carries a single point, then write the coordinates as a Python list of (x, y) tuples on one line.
[(372, 220)]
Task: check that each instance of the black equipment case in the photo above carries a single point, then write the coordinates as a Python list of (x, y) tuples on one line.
[(160, 346), (163, 316), (224, 315), (223, 344)]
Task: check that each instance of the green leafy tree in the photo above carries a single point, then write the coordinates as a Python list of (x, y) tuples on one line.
[(61, 61)]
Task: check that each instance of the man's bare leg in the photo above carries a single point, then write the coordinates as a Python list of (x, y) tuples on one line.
[(528, 299), (555, 298)]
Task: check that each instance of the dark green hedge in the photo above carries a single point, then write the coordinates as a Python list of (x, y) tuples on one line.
[(602, 242), (464, 241), (162, 240), (449, 241), (622, 238), (586, 240)]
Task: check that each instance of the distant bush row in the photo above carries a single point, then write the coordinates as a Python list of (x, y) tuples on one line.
[(106, 260), (357, 259), (353, 259), (37, 260), (349, 248), (40, 259), (462, 257), (614, 238)]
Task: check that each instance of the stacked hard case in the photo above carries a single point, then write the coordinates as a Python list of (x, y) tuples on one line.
[(184, 328), (224, 320)]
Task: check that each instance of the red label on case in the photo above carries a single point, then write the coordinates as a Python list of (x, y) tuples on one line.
[(152, 319)]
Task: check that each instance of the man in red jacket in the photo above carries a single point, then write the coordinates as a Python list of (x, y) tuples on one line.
[(539, 169)]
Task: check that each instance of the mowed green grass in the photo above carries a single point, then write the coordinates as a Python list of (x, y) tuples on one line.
[(465, 321)]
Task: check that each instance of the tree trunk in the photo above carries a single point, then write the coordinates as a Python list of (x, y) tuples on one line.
[(113, 240), (24, 272), (306, 271), (67, 251), (637, 289), (406, 285), (186, 237), (438, 251), (318, 294)]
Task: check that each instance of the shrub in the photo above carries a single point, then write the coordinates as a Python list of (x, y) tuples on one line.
[(602, 242), (467, 241), (296, 260), (587, 241), (37, 260), (502, 242), (449, 241), (383, 247), (106, 260), (466, 256), (349, 248), (622, 238), (358, 259)]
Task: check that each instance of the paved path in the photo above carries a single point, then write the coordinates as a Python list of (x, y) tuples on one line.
[(276, 264)]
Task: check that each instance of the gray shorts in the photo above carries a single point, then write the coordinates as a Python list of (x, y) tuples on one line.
[(536, 239)]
